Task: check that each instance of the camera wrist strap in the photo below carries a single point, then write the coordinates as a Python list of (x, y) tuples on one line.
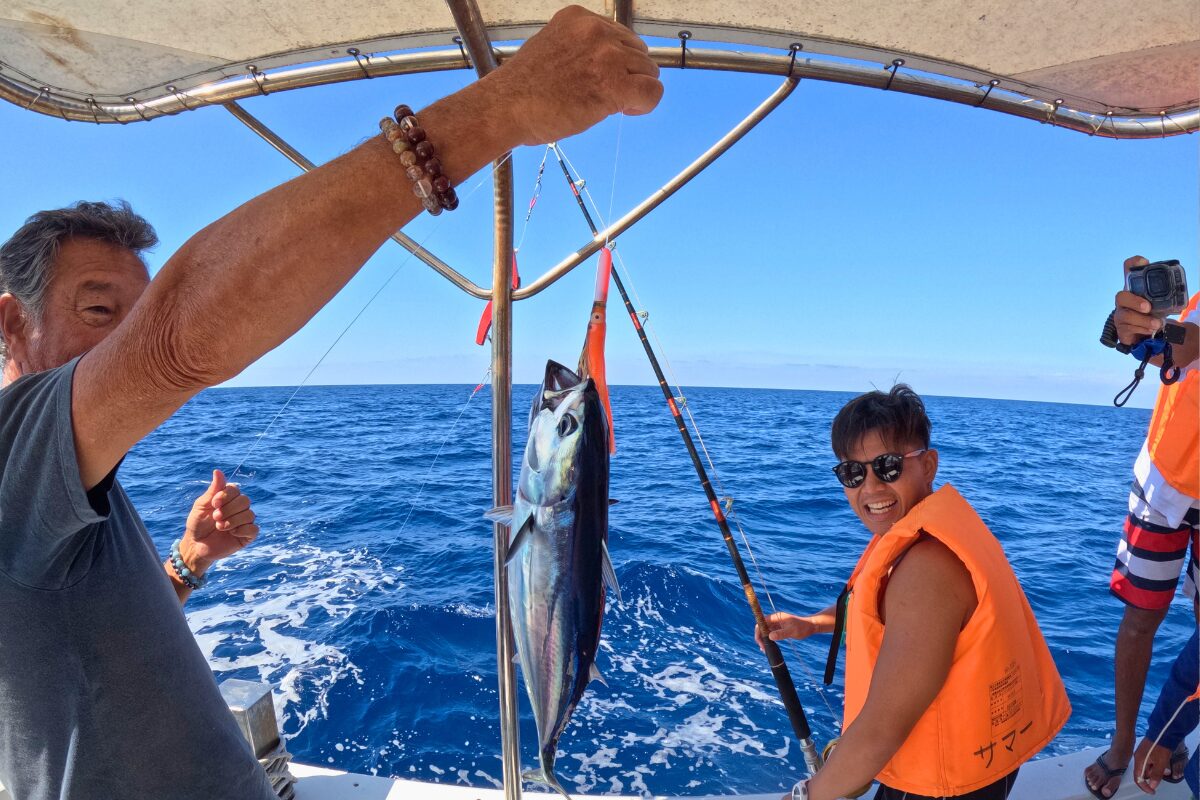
[(1146, 350)]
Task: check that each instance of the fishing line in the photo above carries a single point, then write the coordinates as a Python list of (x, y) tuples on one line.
[(1141, 777), (399, 534), (730, 513), (537, 193), (403, 262)]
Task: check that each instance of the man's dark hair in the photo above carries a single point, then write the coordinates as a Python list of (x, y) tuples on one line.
[(899, 417), (27, 259)]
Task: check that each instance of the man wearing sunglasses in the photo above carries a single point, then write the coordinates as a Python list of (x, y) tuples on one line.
[(949, 684)]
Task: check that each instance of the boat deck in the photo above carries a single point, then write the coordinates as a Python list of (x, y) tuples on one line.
[(1056, 778)]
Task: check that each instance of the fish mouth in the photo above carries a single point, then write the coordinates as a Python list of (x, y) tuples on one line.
[(558, 382)]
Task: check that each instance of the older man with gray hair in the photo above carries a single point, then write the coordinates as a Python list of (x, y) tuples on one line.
[(103, 692)]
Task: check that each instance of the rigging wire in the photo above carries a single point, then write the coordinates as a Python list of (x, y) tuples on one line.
[(730, 513), (537, 193), (429, 472), (403, 262)]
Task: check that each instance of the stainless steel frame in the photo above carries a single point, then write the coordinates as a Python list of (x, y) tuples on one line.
[(643, 208), (470, 24), (992, 92), (296, 157), (502, 297)]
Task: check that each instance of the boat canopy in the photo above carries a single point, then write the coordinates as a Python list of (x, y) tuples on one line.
[(1104, 67)]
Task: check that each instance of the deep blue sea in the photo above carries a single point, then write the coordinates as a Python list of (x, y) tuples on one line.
[(367, 599)]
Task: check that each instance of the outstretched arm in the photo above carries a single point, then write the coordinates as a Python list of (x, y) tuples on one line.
[(247, 282), (783, 625)]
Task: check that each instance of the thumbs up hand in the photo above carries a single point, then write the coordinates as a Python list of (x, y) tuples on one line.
[(220, 524)]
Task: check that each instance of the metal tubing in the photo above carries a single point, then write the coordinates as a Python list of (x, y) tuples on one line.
[(502, 320), (778, 666), (475, 36), (623, 13), (296, 157), (1008, 96), (618, 227)]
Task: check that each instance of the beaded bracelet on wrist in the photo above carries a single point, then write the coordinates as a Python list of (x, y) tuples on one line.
[(189, 578), (421, 164)]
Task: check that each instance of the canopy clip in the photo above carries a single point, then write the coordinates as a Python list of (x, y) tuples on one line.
[(258, 78), (42, 92), (136, 107), (643, 316), (1106, 118), (897, 63), (992, 84), (358, 59), (727, 502), (458, 40), (795, 47), (1058, 101), (683, 40), (680, 401), (97, 108), (180, 96)]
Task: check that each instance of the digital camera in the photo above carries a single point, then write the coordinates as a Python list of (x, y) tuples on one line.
[(1163, 283)]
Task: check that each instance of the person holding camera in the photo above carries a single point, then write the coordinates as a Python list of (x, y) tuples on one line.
[(1164, 509)]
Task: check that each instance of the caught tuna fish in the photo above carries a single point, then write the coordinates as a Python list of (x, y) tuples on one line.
[(558, 560)]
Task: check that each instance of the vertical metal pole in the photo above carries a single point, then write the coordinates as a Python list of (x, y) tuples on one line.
[(502, 320), (475, 36)]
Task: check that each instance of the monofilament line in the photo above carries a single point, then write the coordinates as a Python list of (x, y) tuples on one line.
[(438, 224), (716, 476)]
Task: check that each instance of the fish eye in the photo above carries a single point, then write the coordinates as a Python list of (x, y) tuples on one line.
[(567, 425)]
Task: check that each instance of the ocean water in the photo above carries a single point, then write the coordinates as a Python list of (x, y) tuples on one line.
[(367, 599)]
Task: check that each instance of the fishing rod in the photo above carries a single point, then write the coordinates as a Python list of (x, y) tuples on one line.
[(779, 668)]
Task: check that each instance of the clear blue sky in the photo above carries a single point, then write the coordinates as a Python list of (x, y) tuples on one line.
[(856, 236)]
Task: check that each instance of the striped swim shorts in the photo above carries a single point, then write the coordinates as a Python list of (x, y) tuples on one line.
[(1152, 551)]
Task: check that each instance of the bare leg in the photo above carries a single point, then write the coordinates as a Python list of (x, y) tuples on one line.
[(1135, 645)]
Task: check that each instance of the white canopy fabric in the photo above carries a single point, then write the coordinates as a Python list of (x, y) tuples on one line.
[(1103, 56)]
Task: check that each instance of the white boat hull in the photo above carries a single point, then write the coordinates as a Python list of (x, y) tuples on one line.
[(1054, 778)]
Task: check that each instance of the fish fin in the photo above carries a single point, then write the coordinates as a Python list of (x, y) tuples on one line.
[(610, 574), (612, 502), (501, 514), (545, 778), (514, 546), (596, 676)]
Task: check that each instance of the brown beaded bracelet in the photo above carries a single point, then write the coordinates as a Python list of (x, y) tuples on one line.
[(421, 164)]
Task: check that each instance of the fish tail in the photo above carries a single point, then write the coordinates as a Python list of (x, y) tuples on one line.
[(545, 776)]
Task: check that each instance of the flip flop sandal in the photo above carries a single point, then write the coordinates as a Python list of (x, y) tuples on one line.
[(1179, 760), (1109, 774)]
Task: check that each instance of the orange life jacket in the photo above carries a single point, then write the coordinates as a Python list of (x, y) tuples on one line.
[(1174, 437), (1002, 701)]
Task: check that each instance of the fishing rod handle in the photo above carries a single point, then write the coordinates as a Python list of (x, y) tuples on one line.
[(787, 691)]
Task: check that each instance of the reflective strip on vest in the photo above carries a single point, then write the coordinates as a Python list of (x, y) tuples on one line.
[(1174, 436), (1003, 700)]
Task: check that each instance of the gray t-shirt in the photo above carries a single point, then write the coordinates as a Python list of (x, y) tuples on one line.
[(104, 693)]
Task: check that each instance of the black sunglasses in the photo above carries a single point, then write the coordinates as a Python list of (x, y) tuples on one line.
[(887, 468)]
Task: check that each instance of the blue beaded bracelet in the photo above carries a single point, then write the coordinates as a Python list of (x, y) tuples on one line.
[(189, 578)]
